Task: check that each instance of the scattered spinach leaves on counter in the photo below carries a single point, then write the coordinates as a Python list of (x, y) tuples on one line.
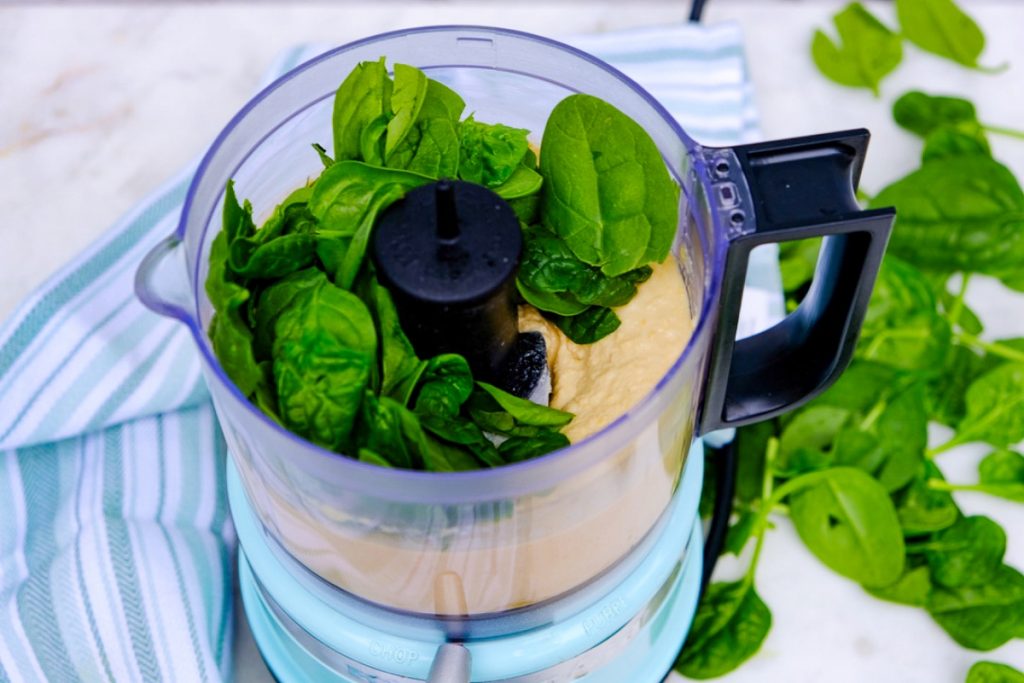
[(994, 672), (852, 468), (868, 50)]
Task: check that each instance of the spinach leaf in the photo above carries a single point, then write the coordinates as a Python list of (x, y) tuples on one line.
[(981, 617), (520, 448), (523, 183), (273, 259), (430, 146), (1002, 467), (995, 408), (325, 159), (229, 332), (274, 300), (860, 387), (740, 532), (606, 192), (362, 98), (922, 509), (444, 386), (867, 50), (491, 152), (811, 431), (410, 89), (462, 432), (902, 433), (962, 213), (593, 324), (400, 368), (923, 114), (751, 446), (966, 554), (846, 519), (993, 672), (346, 200), (730, 625), (902, 327), (324, 346), (526, 412), (369, 457), (942, 28), (946, 392), (912, 588), (955, 142)]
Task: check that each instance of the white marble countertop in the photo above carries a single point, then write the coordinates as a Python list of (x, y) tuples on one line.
[(99, 104)]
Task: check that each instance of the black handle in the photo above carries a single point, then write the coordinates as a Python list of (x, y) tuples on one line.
[(797, 189)]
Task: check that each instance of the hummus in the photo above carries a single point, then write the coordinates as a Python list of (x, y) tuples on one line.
[(599, 382)]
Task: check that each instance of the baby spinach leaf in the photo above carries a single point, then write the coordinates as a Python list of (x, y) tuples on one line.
[(274, 259), (995, 407), (491, 152), (362, 98), (846, 519), (410, 89), (325, 159), (902, 432), (368, 456), (751, 446), (387, 427), (855, 447), (430, 147), (444, 386), (520, 448), (730, 625), (524, 182), (324, 346), (923, 114), (229, 332), (346, 200), (526, 412), (606, 192), (961, 213), (867, 50), (966, 554), (981, 617), (942, 28), (560, 303), (946, 402), (1002, 467), (993, 672), (400, 368), (812, 429), (593, 324), (860, 387), (902, 327), (462, 432), (955, 142), (912, 588), (274, 300), (922, 509), (740, 532)]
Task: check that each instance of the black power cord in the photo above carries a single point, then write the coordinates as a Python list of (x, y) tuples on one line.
[(696, 9)]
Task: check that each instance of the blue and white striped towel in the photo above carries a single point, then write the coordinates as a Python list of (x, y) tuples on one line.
[(115, 540)]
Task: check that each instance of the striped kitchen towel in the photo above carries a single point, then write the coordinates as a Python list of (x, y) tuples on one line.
[(115, 541)]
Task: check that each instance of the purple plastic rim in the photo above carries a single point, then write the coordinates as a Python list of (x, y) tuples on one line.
[(483, 484)]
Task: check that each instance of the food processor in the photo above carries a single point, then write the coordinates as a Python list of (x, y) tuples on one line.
[(584, 564)]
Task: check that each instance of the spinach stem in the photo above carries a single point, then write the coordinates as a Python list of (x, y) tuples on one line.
[(995, 348), (1009, 132), (942, 485), (943, 447), (767, 484), (876, 412), (958, 304)]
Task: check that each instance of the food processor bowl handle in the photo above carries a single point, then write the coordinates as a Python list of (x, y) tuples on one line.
[(161, 282), (776, 192), (451, 664)]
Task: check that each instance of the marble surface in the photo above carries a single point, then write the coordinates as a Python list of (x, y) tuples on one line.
[(99, 104)]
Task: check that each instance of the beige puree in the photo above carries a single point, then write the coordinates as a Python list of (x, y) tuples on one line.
[(505, 555)]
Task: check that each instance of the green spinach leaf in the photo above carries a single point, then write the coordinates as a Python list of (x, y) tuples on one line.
[(729, 628), (520, 448), (362, 98), (491, 152), (923, 114), (942, 28), (995, 408), (961, 213), (912, 588), (993, 672), (593, 324), (430, 146), (866, 53), (922, 509), (966, 554), (444, 386), (410, 89), (981, 617), (324, 346), (846, 519), (526, 412), (606, 192)]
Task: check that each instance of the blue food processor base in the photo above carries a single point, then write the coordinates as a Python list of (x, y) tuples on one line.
[(665, 587)]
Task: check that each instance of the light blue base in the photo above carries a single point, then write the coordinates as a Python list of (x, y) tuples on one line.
[(645, 659)]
